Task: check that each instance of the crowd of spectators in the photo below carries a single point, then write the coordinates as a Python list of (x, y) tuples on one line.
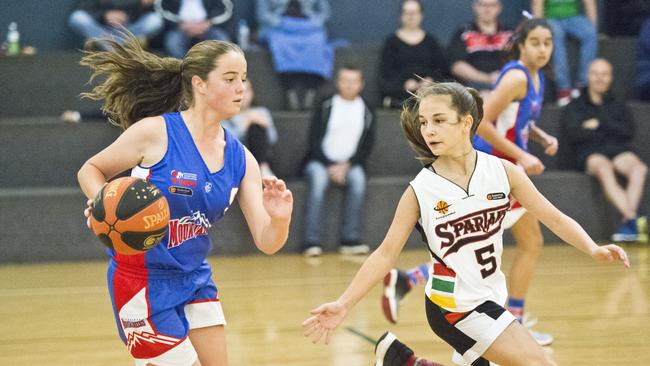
[(596, 127)]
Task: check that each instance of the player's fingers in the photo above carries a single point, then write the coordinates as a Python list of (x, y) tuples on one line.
[(328, 335), (286, 195), (268, 182), (317, 336), (309, 321), (621, 255), (280, 185), (309, 330)]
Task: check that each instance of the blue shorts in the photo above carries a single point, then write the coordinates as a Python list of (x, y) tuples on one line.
[(155, 310)]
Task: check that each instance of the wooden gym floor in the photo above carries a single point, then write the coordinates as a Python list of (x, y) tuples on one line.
[(59, 314)]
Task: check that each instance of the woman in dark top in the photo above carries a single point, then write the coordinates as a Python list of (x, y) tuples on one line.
[(408, 53)]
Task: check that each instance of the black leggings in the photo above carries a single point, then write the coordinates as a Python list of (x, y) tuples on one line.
[(300, 81)]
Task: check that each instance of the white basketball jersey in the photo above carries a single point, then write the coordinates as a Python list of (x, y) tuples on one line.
[(464, 234)]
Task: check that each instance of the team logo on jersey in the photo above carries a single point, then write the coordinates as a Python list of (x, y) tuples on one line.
[(442, 207), (474, 227), (208, 187), (496, 196), (183, 179), (186, 228)]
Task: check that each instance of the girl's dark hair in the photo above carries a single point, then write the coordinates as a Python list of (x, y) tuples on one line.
[(521, 33), (137, 84), (464, 100)]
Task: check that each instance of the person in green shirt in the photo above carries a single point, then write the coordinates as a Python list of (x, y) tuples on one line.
[(570, 18)]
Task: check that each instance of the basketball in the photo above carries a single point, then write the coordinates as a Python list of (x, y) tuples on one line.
[(130, 215)]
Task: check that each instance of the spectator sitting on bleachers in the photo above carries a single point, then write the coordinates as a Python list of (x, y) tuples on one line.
[(565, 19), (254, 127), (476, 50), (295, 33), (408, 56), (643, 62), (340, 140), (194, 21), (600, 131), (101, 18)]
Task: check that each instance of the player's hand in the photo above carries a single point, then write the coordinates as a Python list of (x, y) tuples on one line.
[(324, 320), (531, 164), (610, 253), (550, 145), (278, 200), (87, 211)]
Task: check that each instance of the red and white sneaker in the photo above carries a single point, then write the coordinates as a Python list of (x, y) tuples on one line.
[(396, 286)]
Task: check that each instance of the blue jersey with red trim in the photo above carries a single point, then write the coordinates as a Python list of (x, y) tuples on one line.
[(197, 199), (514, 122)]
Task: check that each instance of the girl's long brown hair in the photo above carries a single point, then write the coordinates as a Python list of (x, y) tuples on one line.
[(464, 101), (136, 84)]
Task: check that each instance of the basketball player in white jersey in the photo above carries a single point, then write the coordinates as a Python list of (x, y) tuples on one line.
[(459, 199)]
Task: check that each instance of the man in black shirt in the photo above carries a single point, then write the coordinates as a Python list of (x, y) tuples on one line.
[(600, 131), (476, 50)]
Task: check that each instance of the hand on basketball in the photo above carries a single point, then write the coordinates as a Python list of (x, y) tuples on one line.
[(324, 321), (610, 253), (87, 212), (278, 200)]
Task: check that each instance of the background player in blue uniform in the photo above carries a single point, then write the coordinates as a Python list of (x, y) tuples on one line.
[(166, 306)]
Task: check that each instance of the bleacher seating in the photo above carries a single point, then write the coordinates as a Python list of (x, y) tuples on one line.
[(41, 205)]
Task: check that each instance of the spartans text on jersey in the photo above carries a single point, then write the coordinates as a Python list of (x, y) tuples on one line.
[(476, 226)]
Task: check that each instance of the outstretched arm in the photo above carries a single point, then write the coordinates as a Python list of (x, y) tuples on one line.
[(268, 210), (562, 225), (327, 317)]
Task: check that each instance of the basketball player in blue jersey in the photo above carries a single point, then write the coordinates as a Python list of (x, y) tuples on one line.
[(166, 305), (459, 199), (511, 112)]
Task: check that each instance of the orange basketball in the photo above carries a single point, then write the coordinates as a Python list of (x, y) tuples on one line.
[(130, 215)]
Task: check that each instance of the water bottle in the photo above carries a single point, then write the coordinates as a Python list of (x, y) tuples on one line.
[(243, 35), (13, 40)]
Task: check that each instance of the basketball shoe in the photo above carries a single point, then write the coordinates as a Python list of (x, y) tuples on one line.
[(391, 352), (396, 286), (543, 339)]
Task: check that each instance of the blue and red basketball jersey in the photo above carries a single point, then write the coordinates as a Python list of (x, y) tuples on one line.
[(514, 122), (197, 199)]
